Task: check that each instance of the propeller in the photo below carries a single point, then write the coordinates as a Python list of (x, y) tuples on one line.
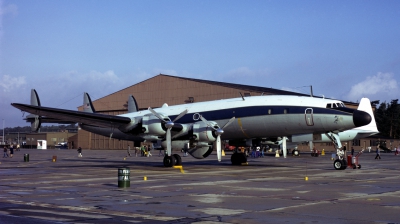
[(218, 131), (168, 124)]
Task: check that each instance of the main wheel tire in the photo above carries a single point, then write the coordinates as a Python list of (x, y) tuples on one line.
[(169, 161), (242, 158), (359, 166), (235, 160), (344, 163), (178, 159)]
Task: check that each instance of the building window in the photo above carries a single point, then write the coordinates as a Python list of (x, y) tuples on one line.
[(247, 94), (356, 142)]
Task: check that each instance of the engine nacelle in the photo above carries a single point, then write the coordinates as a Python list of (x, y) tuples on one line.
[(203, 133), (133, 124), (152, 125), (201, 150)]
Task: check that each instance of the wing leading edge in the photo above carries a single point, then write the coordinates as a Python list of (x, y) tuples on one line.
[(101, 120)]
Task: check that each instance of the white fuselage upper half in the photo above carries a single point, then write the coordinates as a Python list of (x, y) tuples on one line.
[(264, 116)]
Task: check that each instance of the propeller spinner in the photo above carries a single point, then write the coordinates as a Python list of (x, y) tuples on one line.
[(168, 124), (218, 131)]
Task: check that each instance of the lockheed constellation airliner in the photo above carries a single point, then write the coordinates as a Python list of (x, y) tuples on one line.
[(204, 124)]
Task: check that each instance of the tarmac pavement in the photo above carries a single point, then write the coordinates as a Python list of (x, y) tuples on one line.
[(268, 190)]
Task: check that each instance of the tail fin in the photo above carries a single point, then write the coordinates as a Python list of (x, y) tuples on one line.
[(132, 104), (35, 120), (35, 101), (87, 104), (365, 105)]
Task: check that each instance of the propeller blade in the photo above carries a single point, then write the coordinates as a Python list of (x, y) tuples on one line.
[(156, 114), (228, 123), (180, 115), (169, 146), (219, 154), (207, 123)]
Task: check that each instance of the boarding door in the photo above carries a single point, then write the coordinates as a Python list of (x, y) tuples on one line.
[(309, 117)]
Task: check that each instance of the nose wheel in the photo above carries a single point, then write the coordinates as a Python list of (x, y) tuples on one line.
[(340, 164)]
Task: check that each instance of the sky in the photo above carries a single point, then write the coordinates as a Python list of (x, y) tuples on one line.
[(345, 49)]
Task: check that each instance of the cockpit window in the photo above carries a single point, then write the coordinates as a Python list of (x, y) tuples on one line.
[(334, 105), (329, 105)]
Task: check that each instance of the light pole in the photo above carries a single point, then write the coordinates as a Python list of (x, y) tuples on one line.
[(3, 133)]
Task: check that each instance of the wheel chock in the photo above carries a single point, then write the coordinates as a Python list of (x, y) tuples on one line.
[(144, 178), (323, 152), (179, 167), (245, 164), (306, 178), (277, 154)]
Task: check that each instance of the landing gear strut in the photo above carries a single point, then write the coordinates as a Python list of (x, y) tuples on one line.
[(340, 163)]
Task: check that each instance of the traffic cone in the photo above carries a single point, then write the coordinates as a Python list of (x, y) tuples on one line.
[(323, 152), (223, 153)]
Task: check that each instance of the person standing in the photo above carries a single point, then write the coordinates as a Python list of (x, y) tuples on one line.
[(18, 147), (378, 156), (136, 151), (79, 152), (11, 150), (5, 152), (129, 150), (352, 151)]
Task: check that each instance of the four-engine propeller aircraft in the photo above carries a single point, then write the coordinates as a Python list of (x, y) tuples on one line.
[(202, 124)]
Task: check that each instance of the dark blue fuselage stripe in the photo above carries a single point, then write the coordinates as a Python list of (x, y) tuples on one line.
[(260, 111)]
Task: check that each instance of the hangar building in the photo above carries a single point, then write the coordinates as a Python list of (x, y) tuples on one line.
[(160, 89)]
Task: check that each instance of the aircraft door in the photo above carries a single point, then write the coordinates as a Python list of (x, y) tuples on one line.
[(309, 117)]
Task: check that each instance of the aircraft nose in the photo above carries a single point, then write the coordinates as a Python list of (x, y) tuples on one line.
[(361, 118)]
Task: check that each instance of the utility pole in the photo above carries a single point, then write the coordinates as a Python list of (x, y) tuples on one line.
[(3, 133)]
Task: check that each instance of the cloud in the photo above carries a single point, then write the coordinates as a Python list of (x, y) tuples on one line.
[(8, 83), (382, 86)]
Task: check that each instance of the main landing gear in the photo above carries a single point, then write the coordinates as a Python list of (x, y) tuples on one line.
[(173, 160), (238, 158)]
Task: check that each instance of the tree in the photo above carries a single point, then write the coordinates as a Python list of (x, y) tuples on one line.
[(388, 119)]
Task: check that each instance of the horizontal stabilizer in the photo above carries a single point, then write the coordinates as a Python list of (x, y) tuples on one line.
[(102, 120)]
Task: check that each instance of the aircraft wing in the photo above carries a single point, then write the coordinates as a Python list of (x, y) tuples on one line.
[(95, 119)]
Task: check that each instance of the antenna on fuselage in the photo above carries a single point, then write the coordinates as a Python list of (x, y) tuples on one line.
[(242, 96), (312, 95)]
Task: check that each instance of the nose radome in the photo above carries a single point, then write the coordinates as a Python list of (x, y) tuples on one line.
[(361, 118)]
